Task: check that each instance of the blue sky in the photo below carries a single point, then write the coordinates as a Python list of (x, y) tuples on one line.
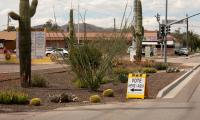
[(102, 12)]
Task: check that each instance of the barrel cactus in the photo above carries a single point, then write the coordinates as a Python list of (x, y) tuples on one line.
[(25, 13)]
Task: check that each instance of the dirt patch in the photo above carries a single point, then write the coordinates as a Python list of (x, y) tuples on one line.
[(61, 80)]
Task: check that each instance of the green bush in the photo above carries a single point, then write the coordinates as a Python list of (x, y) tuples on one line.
[(108, 93), (13, 97), (147, 63), (121, 71), (95, 99), (38, 81), (81, 84), (122, 74), (160, 66), (123, 78), (86, 63), (35, 102), (105, 81), (148, 70)]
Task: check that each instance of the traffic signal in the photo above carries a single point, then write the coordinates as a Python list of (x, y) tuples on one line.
[(162, 30), (168, 29)]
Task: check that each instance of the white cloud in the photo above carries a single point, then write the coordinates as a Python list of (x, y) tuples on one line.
[(102, 12)]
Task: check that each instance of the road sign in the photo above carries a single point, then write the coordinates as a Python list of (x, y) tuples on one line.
[(171, 21), (38, 44), (136, 86), (132, 54), (147, 51)]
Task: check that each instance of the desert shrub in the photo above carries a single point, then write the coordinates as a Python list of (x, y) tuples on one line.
[(108, 93), (13, 97), (53, 57), (160, 66), (95, 99), (147, 63), (80, 84), (122, 74), (38, 81), (87, 64), (148, 70), (7, 56), (35, 101), (105, 81), (172, 70), (123, 78), (92, 61), (121, 71)]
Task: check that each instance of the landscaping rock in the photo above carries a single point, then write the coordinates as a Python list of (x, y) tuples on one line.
[(64, 98)]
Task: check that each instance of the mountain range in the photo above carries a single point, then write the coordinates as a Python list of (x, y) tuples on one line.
[(89, 28)]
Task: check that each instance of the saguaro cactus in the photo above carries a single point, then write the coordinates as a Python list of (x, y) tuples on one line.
[(24, 18), (71, 26), (139, 30)]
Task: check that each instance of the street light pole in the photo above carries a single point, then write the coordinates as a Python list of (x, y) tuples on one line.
[(161, 43), (165, 37), (187, 31)]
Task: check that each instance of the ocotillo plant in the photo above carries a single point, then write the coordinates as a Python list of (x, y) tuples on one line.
[(24, 18), (139, 30)]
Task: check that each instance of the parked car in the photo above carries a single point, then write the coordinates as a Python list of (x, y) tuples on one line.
[(58, 51), (182, 51)]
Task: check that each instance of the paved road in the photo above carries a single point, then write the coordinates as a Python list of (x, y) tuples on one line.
[(10, 68), (191, 60)]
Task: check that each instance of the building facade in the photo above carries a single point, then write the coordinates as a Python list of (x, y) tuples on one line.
[(57, 39)]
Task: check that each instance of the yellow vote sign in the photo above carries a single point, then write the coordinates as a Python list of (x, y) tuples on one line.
[(136, 88)]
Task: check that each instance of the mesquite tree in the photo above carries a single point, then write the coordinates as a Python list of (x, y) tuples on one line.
[(25, 13), (139, 30)]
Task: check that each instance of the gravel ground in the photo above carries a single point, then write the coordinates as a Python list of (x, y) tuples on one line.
[(60, 80)]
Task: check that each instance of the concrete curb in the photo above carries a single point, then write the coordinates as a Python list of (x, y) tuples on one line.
[(168, 88)]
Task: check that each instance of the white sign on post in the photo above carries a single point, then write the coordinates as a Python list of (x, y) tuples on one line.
[(132, 54), (38, 43), (147, 51), (136, 86)]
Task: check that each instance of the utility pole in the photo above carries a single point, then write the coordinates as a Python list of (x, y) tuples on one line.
[(165, 36), (159, 34), (187, 27), (8, 23), (114, 25)]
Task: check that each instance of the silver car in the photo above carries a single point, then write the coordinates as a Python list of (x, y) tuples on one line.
[(183, 51), (58, 51)]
